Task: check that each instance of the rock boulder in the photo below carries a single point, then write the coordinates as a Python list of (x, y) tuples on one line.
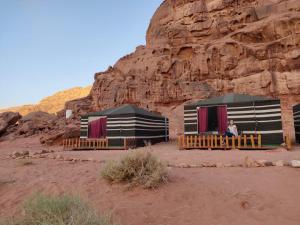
[(36, 122), (8, 119)]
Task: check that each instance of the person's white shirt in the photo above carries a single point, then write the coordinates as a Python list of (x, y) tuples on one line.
[(233, 129)]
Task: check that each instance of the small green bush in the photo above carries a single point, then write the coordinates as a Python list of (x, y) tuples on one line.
[(64, 210), (136, 168)]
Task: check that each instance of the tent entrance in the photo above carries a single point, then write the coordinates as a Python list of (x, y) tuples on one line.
[(97, 128), (212, 119)]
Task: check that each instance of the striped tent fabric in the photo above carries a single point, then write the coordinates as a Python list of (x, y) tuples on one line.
[(296, 110), (251, 114), (129, 121)]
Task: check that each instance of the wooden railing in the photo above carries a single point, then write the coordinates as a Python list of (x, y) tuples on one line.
[(84, 144), (219, 142)]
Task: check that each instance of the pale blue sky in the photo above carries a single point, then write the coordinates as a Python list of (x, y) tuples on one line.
[(51, 45)]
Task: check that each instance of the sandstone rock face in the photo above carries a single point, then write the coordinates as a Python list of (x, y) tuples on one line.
[(8, 119), (202, 48), (54, 103)]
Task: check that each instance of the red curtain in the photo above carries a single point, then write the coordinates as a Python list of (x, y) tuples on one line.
[(202, 119), (97, 128), (222, 119)]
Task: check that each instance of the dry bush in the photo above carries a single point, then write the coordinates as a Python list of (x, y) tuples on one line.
[(136, 168), (64, 210)]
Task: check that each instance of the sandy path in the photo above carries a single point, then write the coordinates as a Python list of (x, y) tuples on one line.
[(208, 196), (169, 152)]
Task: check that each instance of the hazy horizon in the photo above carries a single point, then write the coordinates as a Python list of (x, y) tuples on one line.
[(49, 46)]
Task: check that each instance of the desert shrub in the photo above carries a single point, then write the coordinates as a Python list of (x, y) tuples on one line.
[(136, 168), (64, 210)]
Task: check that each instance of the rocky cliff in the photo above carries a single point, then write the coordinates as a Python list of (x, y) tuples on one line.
[(201, 48), (54, 103)]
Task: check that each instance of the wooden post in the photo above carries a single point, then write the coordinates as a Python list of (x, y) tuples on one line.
[(187, 142), (245, 141), (221, 141), (195, 141), (227, 142), (179, 142), (199, 140), (288, 143), (239, 142), (259, 141), (208, 141), (204, 144), (125, 143), (216, 141), (252, 141), (183, 142), (233, 142)]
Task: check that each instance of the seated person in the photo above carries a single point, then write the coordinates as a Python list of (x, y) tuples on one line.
[(231, 130)]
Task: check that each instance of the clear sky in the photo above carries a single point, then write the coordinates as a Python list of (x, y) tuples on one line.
[(51, 45)]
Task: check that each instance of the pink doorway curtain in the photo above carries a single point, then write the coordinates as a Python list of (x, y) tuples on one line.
[(222, 119), (97, 128), (202, 119)]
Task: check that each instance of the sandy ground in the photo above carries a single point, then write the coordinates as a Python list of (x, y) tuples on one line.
[(195, 196)]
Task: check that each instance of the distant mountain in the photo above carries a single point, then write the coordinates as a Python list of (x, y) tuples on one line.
[(54, 103)]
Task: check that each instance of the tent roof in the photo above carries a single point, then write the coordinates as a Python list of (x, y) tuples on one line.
[(124, 109), (231, 98)]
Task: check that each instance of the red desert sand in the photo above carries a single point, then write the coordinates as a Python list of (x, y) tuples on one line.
[(194, 196)]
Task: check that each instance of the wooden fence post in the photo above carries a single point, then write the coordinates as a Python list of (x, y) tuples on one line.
[(183, 142), (221, 141), (208, 141), (200, 140), (259, 141), (216, 141), (245, 141), (288, 143), (125, 143), (252, 141), (227, 142), (233, 142), (239, 142)]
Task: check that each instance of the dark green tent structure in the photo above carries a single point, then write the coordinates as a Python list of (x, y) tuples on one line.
[(125, 122), (296, 110), (251, 114)]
